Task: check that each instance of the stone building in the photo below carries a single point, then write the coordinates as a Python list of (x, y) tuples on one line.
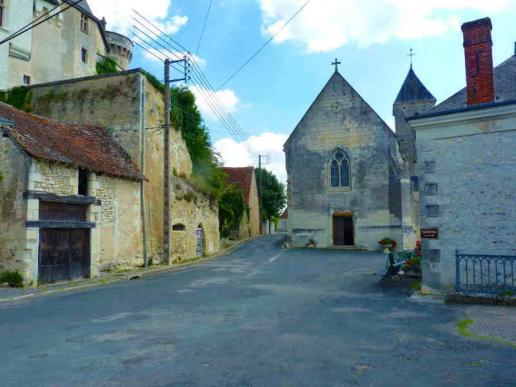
[(245, 178), (66, 46), (132, 110), (69, 200), (466, 162), (347, 182)]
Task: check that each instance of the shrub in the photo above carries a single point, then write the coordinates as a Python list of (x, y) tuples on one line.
[(106, 66), (13, 278)]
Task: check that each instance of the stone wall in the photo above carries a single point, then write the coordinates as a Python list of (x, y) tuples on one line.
[(133, 111), (340, 118), (250, 224), (192, 210), (14, 167), (466, 164), (119, 224)]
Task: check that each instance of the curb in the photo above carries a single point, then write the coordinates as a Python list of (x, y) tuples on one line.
[(127, 276)]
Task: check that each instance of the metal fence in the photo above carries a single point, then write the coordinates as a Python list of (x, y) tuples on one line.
[(485, 273)]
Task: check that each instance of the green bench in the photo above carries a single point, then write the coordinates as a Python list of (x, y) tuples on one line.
[(395, 260)]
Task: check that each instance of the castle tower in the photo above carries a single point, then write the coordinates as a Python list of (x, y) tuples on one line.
[(413, 98), (120, 49)]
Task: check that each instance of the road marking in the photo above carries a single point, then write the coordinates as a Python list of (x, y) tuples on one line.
[(274, 258)]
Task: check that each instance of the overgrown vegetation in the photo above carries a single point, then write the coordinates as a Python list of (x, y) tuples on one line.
[(272, 194), (207, 175), (20, 97), (231, 210), (106, 66), (13, 278)]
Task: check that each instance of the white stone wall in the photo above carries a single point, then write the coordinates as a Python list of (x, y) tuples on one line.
[(466, 164), (15, 241), (52, 50)]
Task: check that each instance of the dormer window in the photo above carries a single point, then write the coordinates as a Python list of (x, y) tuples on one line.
[(85, 23), (2, 13)]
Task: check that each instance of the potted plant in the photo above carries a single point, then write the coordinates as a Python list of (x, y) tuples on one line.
[(388, 244)]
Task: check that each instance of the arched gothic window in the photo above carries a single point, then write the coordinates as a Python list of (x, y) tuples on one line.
[(339, 170)]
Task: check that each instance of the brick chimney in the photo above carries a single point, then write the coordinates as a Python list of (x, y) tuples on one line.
[(478, 50)]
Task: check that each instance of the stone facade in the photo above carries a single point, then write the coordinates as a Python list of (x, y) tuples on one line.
[(66, 46), (340, 119), (466, 164), (133, 110), (114, 241), (250, 225)]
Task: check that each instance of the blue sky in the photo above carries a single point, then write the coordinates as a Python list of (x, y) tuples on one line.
[(371, 38)]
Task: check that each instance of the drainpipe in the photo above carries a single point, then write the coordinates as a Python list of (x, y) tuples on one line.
[(143, 208)]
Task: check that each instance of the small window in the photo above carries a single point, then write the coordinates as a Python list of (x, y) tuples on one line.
[(178, 227), (339, 170), (85, 24), (83, 182), (2, 13), (84, 55), (26, 78)]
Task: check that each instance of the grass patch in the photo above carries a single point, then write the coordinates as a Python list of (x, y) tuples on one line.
[(13, 278), (463, 325), (416, 286)]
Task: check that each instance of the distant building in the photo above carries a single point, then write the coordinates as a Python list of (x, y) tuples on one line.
[(245, 178), (348, 184), (283, 222), (66, 46), (466, 162)]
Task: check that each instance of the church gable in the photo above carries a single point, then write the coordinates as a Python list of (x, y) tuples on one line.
[(340, 107)]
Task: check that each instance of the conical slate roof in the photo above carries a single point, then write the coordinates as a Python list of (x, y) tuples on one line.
[(413, 90)]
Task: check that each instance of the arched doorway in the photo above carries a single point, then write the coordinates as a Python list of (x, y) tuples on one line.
[(199, 241)]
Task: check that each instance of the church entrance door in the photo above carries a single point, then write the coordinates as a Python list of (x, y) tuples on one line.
[(343, 230)]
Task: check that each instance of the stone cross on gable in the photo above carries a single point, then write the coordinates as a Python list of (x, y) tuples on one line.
[(336, 64), (411, 55)]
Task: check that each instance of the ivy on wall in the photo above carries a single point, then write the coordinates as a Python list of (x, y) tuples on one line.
[(20, 97)]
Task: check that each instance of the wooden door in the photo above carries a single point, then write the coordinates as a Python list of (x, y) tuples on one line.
[(63, 255), (343, 231)]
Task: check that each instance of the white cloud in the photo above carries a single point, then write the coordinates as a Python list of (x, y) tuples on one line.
[(325, 25), (119, 14), (242, 154), (226, 96)]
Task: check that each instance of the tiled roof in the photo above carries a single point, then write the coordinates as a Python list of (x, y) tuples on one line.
[(413, 90), (243, 177), (505, 88), (84, 146)]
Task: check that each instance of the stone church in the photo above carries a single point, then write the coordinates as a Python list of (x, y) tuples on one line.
[(349, 175)]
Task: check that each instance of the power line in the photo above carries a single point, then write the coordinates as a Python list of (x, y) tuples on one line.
[(264, 45), (205, 88), (33, 24), (204, 27)]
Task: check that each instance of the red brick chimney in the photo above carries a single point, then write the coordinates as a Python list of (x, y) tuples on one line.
[(478, 50)]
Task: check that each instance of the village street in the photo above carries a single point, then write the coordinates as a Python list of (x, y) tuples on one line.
[(260, 316)]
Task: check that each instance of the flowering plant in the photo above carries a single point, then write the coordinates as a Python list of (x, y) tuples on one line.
[(388, 242)]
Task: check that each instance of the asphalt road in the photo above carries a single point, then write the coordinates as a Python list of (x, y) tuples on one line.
[(261, 316)]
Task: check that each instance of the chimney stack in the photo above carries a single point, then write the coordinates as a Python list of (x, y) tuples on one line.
[(478, 51)]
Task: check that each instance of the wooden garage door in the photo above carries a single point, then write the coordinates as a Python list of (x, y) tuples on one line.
[(63, 255)]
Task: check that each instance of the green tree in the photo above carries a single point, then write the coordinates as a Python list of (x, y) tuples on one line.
[(271, 193), (231, 210)]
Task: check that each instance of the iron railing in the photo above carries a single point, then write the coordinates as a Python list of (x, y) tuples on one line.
[(492, 274)]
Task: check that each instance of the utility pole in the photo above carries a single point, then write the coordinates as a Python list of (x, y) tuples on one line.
[(166, 153), (260, 185)]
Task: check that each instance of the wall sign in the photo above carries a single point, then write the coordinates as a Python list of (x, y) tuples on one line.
[(430, 233)]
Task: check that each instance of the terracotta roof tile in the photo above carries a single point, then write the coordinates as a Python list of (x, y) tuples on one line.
[(85, 146), (243, 177)]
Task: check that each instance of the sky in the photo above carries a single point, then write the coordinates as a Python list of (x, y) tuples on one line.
[(371, 38)]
